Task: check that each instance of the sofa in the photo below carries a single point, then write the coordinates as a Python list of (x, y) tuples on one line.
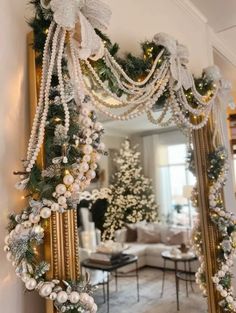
[(149, 251)]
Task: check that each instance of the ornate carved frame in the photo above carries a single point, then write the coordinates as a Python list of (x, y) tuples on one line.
[(61, 244)]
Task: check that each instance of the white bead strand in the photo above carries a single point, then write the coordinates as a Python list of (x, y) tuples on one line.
[(109, 57), (41, 93), (145, 93), (61, 83), (42, 124)]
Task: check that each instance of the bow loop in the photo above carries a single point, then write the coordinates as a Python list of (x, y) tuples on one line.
[(166, 41), (82, 17)]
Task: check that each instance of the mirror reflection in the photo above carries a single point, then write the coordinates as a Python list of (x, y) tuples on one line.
[(135, 236)]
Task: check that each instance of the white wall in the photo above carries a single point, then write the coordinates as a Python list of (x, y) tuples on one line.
[(13, 131), (134, 21), (111, 142)]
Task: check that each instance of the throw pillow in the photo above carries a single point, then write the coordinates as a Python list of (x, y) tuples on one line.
[(176, 238), (131, 234), (172, 236), (148, 235)]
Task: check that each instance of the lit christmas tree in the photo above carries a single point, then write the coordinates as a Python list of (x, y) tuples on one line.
[(132, 199)]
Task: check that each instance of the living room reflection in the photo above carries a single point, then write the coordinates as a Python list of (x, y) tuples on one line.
[(135, 222)]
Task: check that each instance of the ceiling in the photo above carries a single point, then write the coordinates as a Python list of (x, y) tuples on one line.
[(221, 16)]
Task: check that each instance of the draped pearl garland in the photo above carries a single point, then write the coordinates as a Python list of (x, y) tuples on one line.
[(169, 74)]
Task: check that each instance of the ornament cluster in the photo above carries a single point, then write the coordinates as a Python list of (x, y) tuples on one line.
[(226, 225)]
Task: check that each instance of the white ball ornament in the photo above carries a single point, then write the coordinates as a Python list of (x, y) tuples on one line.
[(45, 213), (87, 149), (67, 194), (62, 200), (53, 296), (84, 167), (225, 268), (25, 277), (94, 308), (45, 290), (74, 297), (215, 280), (38, 229), (93, 166), (84, 298), (91, 174), (75, 187), (224, 293), (55, 207), (34, 218), (18, 228), (88, 141), (229, 299), (68, 180), (31, 284), (86, 158), (90, 301), (219, 288), (62, 297), (221, 273), (60, 189)]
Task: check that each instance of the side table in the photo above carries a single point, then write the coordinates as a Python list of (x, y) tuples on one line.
[(186, 259), (129, 259)]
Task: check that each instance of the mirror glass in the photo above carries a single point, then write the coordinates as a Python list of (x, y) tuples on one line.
[(147, 209)]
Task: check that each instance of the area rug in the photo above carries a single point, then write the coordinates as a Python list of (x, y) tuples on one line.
[(125, 299)]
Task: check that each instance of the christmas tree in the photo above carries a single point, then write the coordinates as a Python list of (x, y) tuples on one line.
[(132, 199)]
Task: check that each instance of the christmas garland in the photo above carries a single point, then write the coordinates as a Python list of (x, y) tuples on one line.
[(66, 123), (73, 146), (225, 222), (136, 67)]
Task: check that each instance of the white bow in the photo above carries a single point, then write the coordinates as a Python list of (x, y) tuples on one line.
[(178, 59), (212, 73), (82, 17)]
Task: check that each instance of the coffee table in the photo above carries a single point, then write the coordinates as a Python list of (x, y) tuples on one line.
[(129, 259), (186, 275)]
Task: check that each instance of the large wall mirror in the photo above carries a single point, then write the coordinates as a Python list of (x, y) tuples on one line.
[(125, 173)]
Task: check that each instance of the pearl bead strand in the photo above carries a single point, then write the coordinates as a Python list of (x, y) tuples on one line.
[(61, 83), (41, 94), (41, 132)]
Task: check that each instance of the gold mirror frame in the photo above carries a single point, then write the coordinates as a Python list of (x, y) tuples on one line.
[(61, 240)]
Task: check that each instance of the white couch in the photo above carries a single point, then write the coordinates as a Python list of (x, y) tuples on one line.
[(149, 254)]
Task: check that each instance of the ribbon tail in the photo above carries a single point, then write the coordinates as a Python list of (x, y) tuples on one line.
[(86, 41), (98, 13)]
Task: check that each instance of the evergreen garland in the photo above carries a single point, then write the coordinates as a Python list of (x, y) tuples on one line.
[(136, 67)]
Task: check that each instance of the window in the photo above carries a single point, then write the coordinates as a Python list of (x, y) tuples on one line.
[(176, 181)]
